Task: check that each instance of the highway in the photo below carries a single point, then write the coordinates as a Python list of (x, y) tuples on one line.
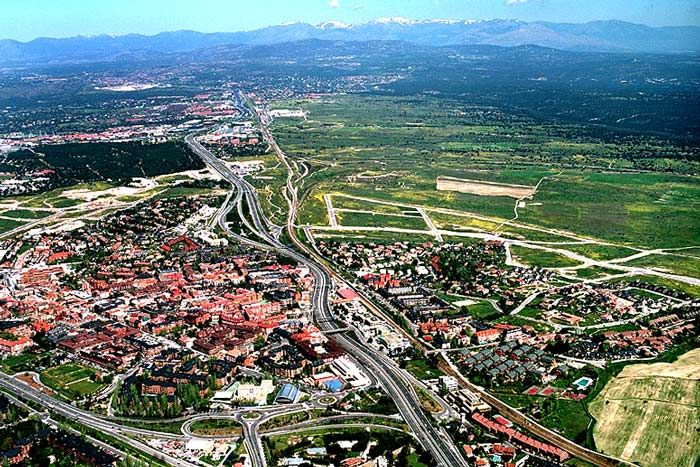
[(385, 370), (518, 417), (119, 432)]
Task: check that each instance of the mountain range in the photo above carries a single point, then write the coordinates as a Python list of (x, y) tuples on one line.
[(598, 36)]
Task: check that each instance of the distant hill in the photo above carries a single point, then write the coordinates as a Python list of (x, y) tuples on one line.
[(597, 36)]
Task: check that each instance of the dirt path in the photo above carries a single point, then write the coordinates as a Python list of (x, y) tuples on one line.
[(633, 440), (617, 265)]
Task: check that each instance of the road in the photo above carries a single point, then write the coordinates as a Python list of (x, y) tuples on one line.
[(519, 418), (119, 432), (392, 379), (529, 424), (376, 363)]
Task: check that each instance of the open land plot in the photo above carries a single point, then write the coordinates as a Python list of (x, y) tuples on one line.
[(71, 379), (372, 236), (182, 191), (535, 234), (452, 222), (594, 272), (600, 252), (8, 224), (640, 210), (482, 310), (270, 185), (344, 202), (18, 363), (466, 222), (26, 214), (49, 199), (482, 188), (363, 219), (674, 263), (422, 369), (542, 258), (650, 414), (353, 134), (216, 427), (690, 251)]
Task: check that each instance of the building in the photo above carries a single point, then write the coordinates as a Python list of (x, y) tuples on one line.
[(288, 394), (15, 347), (349, 372), (449, 383), (254, 393), (487, 335)]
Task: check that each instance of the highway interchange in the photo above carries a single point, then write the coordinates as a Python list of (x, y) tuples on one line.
[(390, 376), (379, 367)]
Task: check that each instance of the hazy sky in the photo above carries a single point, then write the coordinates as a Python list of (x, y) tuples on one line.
[(28, 19)]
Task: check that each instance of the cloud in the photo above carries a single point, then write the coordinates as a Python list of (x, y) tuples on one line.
[(334, 3), (516, 2)]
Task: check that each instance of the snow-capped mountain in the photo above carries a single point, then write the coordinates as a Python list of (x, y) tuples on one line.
[(607, 36)]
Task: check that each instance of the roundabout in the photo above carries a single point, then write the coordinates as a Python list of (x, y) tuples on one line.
[(251, 415), (327, 400)]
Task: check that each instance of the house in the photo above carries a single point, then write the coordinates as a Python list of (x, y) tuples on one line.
[(15, 347), (487, 335)]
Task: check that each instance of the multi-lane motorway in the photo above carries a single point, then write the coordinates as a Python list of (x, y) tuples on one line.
[(384, 370), (88, 419), (436, 441)]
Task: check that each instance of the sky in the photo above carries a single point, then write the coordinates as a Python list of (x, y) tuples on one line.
[(28, 19)]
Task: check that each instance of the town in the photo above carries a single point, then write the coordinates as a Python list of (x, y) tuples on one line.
[(346, 253)]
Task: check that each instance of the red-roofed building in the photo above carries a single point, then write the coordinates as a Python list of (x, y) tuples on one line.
[(9, 347), (60, 256), (347, 294), (487, 335), (521, 438)]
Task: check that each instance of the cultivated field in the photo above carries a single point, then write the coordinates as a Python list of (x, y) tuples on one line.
[(650, 414)]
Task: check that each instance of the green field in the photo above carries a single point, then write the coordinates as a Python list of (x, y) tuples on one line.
[(343, 202), (7, 224), (567, 417), (71, 380), (600, 252), (421, 369), (594, 272), (363, 219), (351, 141), (684, 265), (18, 363), (482, 310), (541, 258), (26, 214), (221, 427), (371, 236)]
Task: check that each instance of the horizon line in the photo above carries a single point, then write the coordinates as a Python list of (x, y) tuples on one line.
[(375, 21)]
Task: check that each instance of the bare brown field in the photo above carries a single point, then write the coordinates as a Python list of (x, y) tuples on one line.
[(650, 413), (478, 187)]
